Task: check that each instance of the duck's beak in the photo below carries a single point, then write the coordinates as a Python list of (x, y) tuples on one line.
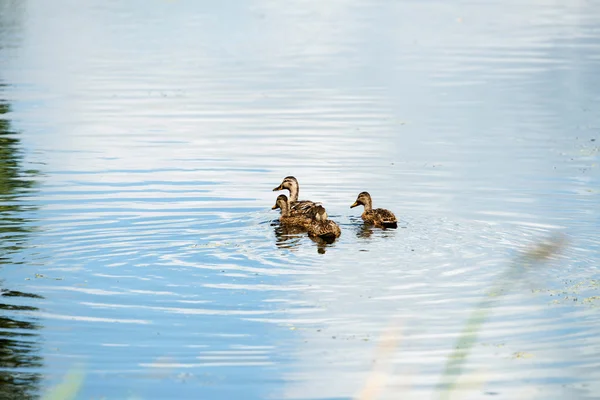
[(354, 204), (278, 188), (275, 207)]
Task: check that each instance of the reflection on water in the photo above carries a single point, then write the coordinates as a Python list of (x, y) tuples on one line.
[(160, 132), (287, 237), (290, 237), (365, 231), (19, 348), (14, 183)]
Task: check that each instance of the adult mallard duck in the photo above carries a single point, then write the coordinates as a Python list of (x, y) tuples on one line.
[(286, 218), (322, 227), (379, 217), (297, 207)]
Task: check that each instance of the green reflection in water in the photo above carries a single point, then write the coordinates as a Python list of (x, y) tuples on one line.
[(19, 340), (14, 182)]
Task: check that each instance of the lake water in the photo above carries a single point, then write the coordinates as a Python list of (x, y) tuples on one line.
[(140, 142)]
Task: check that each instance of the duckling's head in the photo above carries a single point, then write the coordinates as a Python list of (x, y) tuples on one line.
[(281, 202), (289, 183), (320, 214), (364, 198)]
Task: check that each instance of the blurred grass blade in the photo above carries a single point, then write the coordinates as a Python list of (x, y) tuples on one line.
[(380, 374), (69, 387), (538, 253)]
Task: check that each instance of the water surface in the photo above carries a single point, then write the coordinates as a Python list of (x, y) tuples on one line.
[(140, 144)]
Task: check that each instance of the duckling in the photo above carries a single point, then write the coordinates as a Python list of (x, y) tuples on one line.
[(298, 207), (380, 217), (322, 227), (286, 218)]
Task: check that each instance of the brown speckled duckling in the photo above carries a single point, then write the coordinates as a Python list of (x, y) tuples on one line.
[(297, 207), (322, 227), (380, 217), (286, 218)]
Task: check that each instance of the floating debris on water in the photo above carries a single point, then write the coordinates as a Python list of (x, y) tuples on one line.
[(522, 354)]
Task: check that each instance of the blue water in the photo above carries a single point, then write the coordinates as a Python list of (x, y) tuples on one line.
[(140, 143)]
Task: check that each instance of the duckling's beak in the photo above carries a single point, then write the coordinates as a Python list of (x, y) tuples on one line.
[(275, 207), (278, 188), (354, 205)]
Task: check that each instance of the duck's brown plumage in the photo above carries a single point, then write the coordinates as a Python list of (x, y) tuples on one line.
[(322, 227), (286, 218), (297, 207), (379, 217)]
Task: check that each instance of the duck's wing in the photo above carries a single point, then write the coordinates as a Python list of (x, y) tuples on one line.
[(296, 220), (386, 216), (324, 229), (304, 207), (334, 228)]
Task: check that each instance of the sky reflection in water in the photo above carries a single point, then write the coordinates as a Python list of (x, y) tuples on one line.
[(140, 144)]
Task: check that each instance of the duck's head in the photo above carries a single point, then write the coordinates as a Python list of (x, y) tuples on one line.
[(364, 198), (281, 202), (289, 183), (320, 214)]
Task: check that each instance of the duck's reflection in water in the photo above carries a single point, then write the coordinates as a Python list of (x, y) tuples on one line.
[(290, 237), (287, 237), (323, 244), (365, 230)]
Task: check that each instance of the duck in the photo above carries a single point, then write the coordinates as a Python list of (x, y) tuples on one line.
[(380, 217), (286, 217), (297, 207), (322, 227)]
